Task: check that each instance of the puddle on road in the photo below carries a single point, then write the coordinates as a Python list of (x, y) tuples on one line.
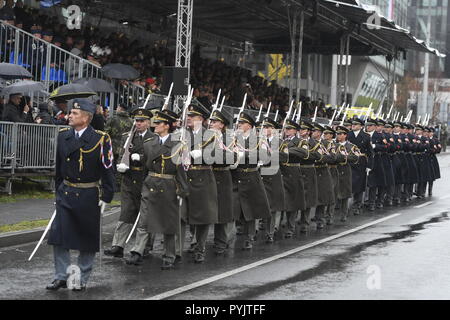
[(338, 262)]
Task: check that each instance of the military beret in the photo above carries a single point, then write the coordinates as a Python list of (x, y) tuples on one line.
[(219, 116), (245, 117), (84, 104), (141, 114)]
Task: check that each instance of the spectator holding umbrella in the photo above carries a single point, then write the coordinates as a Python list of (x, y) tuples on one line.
[(43, 116), (12, 110)]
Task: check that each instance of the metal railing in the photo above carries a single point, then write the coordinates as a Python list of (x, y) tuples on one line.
[(55, 66)]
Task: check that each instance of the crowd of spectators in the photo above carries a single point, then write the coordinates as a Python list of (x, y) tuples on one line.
[(207, 76)]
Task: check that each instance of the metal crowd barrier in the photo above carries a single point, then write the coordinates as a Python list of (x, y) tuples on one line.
[(27, 149), (55, 66)]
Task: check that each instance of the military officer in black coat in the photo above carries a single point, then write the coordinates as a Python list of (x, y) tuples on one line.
[(377, 176), (84, 180), (131, 188), (360, 169), (436, 148)]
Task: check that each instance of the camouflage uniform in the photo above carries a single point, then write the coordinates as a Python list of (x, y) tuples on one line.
[(116, 126), (119, 124)]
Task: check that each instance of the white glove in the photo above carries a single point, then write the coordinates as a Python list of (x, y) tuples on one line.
[(135, 157), (234, 166), (373, 145), (122, 167), (368, 170), (196, 154), (241, 155), (102, 205)]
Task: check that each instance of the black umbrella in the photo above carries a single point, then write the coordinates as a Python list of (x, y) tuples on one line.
[(11, 71), (23, 87), (97, 85), (120, 71), (72, 91)]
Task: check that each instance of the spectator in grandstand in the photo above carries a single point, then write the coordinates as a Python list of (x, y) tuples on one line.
[(13, 111), (98, 121), (61, 117), (8, 9), (43, 117), (47, 35)]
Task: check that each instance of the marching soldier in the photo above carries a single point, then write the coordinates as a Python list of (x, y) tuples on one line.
[(329, 134), (131, 188), (309, 174), (324, 181), (272, 179), (250, 199), (365, 163), (202, 199), (411, 158), (224, 182), (165, 188), (435, 148), (377, 176), (385, 158), (392, 148), (351, 156), (423, 163), (84, 181), (400, 164), (292, 151)]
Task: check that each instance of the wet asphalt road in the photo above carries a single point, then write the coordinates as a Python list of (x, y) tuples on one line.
[(405, 256)]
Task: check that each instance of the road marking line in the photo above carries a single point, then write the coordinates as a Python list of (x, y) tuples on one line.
[(264, 261), (444, 197), (423, 204)]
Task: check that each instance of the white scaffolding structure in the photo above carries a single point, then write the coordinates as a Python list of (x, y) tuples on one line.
[(184, 38)]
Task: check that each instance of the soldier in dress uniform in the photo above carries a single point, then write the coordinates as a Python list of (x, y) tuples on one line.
[(435, 148), (385, 158), (202, 200), (329, 134), (131, 188), (422, 161), (324, 180), (377, 177), (84, 181), (308, 173), (272, 179), (400, 164), (351, 155), (365, 163), (249, 196), (224, 183), (165, 188), (292, 151), (411, 158)]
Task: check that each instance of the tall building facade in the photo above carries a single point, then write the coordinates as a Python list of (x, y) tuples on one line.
[(440, 37)]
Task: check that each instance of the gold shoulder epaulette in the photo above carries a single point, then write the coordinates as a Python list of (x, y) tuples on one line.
[(63, 129)]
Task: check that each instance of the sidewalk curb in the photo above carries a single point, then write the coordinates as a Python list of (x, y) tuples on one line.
[(25, 236)]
